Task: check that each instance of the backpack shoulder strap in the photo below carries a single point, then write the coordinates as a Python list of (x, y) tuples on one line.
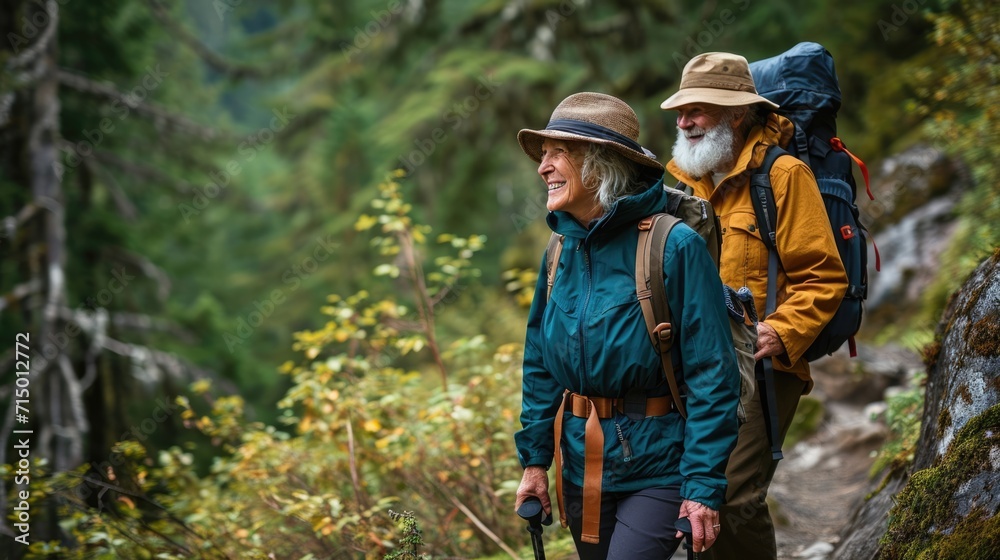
[(653, 233), (684, 188), (762, 197), (552, 253)]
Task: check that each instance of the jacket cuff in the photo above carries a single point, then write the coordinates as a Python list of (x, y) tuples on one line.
[(785, 358), (537, 460), (706, 495)]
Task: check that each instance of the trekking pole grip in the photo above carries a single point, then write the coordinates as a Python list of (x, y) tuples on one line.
[(532, 512)]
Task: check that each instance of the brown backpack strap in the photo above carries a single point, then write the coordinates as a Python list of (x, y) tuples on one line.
[(552, 252), (653, 233)]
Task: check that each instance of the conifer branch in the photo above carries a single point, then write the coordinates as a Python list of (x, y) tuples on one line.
[(143, 172), (159, 115), (219, 63)]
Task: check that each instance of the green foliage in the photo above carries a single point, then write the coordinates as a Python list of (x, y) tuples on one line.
[(370, 431), (808, 417), (902, 416), (957, 92), (409, 541)]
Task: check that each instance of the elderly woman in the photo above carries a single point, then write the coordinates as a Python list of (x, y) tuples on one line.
[(588, 359)]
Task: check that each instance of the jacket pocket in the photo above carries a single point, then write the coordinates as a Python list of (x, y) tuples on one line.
[(744, 255), (609, 305), (564, 299)]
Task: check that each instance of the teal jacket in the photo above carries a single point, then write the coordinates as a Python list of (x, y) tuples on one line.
[(590, 338)]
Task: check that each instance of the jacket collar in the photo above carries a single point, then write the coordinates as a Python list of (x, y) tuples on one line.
[(777, 130), (624, 211)]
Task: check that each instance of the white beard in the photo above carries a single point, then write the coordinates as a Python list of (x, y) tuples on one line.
[(713, 153)]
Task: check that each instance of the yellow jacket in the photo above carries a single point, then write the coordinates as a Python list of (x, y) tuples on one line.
[(812, 281)]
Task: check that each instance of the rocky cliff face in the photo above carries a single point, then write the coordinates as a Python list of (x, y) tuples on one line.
[(913, 222), (947, 505)]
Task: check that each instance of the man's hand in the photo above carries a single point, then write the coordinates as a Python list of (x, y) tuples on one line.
[(704, 525), (768, 342), (534, 482)]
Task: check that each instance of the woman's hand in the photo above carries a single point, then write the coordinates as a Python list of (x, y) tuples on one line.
[(535, 482), (704, 525)]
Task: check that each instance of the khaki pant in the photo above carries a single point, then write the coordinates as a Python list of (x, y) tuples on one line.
[(747, 532)]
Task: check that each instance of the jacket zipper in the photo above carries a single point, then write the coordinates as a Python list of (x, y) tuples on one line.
[(581, 323)]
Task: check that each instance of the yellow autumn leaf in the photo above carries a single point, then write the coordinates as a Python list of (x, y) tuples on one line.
[(465, 534), (322, 523), (312, 352), (365, 222), (201, 386), (373, 425), (475, 462)]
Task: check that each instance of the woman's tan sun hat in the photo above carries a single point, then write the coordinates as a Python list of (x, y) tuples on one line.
[(592, 117), (718, 79)]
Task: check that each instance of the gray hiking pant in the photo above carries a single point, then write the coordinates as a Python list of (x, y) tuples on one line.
[(634, 525)]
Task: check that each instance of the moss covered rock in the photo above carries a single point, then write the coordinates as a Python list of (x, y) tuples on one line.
[(949, 510), (948, 502)]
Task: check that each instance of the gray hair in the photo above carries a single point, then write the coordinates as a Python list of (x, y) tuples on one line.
[(613, 175)]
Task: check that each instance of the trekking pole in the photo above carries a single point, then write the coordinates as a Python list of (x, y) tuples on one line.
[(684, 525), (532, 512)]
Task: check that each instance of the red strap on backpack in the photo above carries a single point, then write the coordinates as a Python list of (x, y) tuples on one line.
[(838, 145)]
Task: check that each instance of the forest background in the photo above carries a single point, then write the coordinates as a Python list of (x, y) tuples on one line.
[(274, 258)]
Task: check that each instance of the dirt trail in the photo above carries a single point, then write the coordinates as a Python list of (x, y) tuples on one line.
[(821, 481)]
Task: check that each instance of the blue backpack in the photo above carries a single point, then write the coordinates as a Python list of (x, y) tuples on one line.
[(803, 82)]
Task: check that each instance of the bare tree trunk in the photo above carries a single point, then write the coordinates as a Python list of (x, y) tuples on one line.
[(29, 117)]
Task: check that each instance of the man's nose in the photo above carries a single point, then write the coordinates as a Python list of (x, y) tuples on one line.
[(683, 121)]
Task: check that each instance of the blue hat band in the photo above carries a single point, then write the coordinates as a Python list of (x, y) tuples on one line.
[(592, 130)]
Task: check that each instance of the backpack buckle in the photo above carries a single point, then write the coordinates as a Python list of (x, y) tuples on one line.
[(847, 232), (646, 224), (634, 405)]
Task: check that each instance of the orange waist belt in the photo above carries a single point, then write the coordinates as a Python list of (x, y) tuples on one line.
[(594, 409)]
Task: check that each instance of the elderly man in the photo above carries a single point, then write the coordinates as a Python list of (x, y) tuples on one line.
[(723, 132)]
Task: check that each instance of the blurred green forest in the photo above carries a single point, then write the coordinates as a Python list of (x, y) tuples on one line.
[(250, 334)]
